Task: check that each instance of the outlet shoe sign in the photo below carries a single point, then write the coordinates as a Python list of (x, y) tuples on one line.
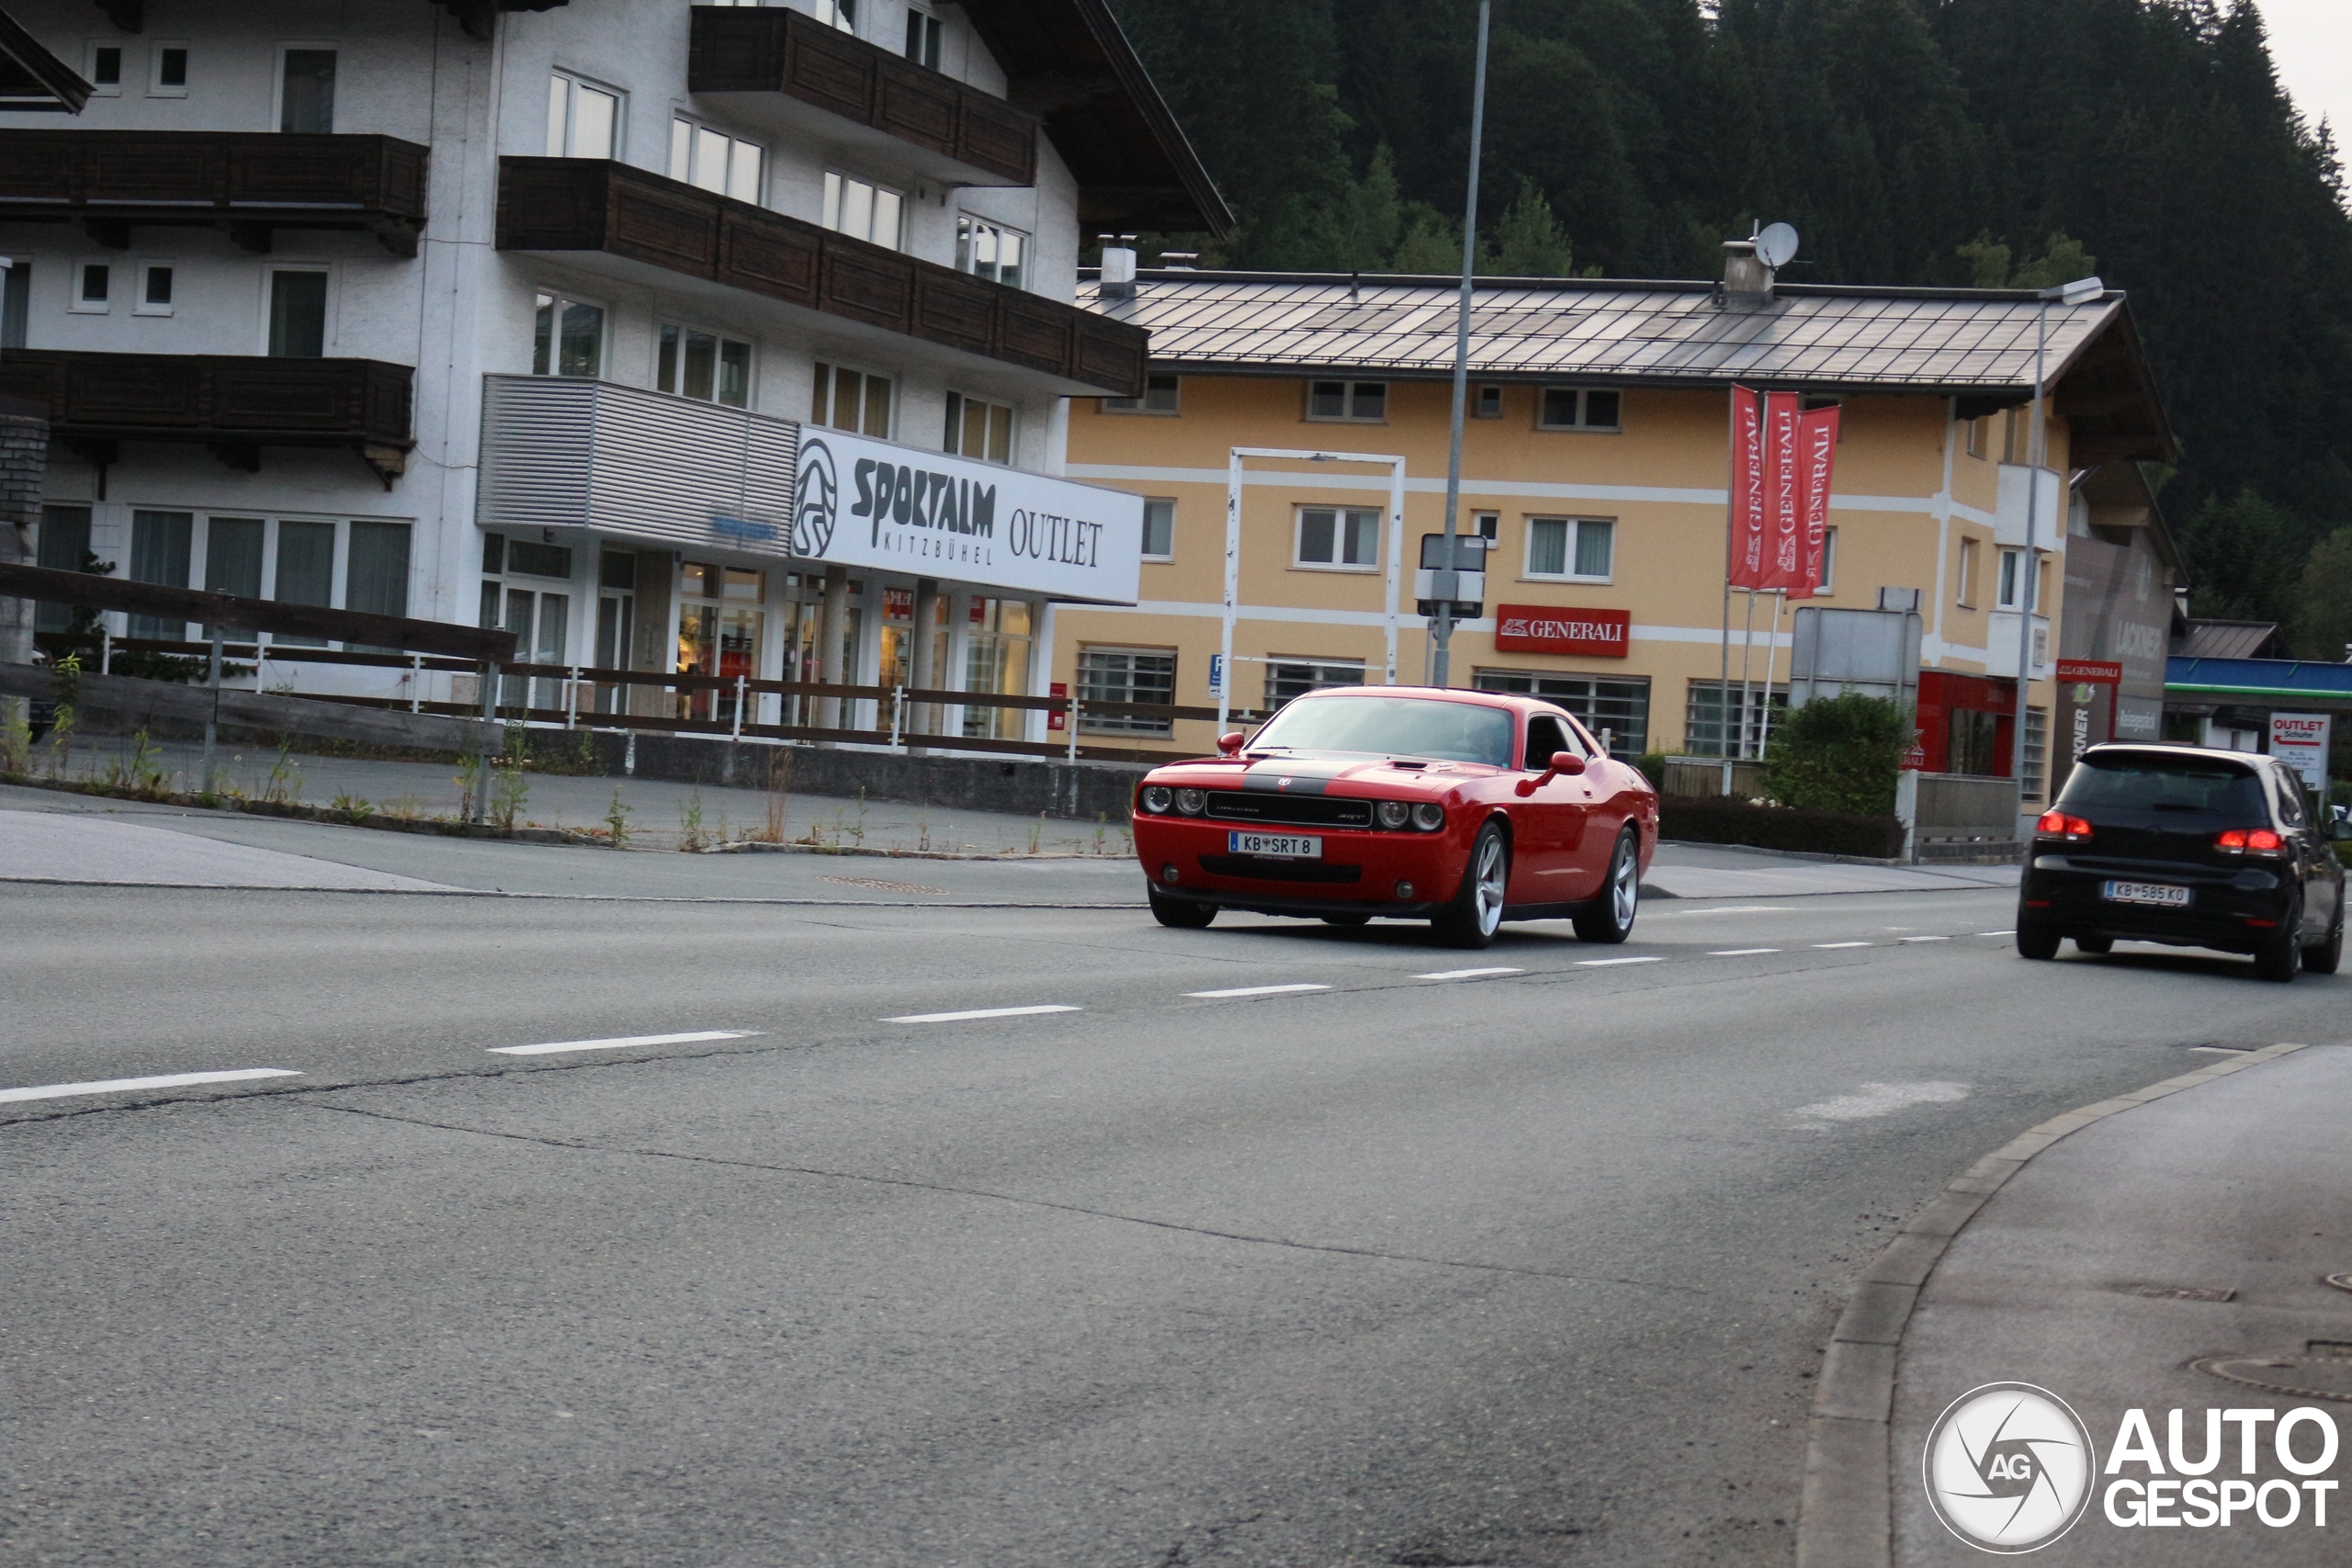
[(862, 502)]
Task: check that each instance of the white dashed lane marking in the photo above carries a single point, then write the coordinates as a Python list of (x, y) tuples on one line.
[(621, 1041), (1825, 944), (1925, 939), (978, 1012), (121, 1086), (1608, 962), (1469, 974), (1258, 991), (1996, 933), (1740, 952)]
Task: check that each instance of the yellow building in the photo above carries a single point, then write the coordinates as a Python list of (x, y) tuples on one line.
[(1595, 463)]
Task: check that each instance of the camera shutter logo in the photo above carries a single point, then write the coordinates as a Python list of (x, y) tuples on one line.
[(816, 500), (2010, 1467)]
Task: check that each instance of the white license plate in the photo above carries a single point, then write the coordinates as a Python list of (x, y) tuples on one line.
[(1274, 846), (2145, 893)]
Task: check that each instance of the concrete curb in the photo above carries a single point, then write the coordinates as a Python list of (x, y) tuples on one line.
[(1845, 1519)]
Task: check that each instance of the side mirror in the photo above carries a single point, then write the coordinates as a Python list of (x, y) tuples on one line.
[(1230, 745), (1565, 764)]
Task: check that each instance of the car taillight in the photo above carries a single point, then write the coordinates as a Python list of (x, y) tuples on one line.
[(2058, 824), (2249, 841)]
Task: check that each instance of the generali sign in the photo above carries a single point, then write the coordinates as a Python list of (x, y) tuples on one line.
[(869, 503), (1542, 629)]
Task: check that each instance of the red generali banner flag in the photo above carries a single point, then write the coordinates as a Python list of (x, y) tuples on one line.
[(1817, 451), (1749, 542), (1784, 492)]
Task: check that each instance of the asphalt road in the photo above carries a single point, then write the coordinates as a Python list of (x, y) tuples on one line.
[(1515, 1269)]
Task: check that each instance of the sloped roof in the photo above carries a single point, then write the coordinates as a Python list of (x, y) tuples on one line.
[(2231, 640), (1976, 344), (33, 78)]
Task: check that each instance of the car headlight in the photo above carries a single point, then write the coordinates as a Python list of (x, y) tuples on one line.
[(1190, 801), (1395, 814), (1429, 816), (1158, 797)]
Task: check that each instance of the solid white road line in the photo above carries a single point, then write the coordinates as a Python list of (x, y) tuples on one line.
[(1996, 933), (1258, 991), (1740, 952), (1844, 945), (623, 1042), (1608, 962), (977, 1012), (1468, 974), (165, 1080), (1925, 939)]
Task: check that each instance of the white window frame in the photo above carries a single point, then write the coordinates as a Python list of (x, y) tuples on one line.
[(80, 305), (326, 325), (563, 143), (1339, 540), (2005, 586), (1827, 587), (140, 306), (837, 184), (968, 224), (686, 134), (90, 67), (832, 368), (1584, 402), (1353, 391), (933, 36), (957, 403), (1144, 404), (562, 297), (1125, 724), (1576, 526), (841, 14), (1170, 503), (278, 76), (751, 367), (155, 52), (1967, 569)]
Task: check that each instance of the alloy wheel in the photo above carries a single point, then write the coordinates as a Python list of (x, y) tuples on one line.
[(1490, 885)]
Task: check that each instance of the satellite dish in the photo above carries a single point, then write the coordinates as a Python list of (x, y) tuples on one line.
[(1777, 245)]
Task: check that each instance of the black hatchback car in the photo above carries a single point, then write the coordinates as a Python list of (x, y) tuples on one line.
[(2193, 847)]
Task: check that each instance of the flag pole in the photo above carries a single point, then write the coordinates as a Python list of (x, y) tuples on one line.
[(1730, 512), (1772, 653)]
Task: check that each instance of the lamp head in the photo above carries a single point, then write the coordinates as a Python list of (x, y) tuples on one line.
[(2082, 292)]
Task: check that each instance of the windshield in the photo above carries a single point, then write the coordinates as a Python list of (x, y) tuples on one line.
[(1403, 727), (2150, 781)]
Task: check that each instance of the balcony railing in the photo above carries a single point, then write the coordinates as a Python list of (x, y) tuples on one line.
[(250, 184), (579, 204), (772, 49), (235, 404)]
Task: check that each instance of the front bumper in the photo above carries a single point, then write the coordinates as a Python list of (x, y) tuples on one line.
[(2224, 904), (1358, 873)]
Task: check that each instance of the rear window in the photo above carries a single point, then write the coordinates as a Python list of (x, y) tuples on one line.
[(2147, 781), (1397, 727)]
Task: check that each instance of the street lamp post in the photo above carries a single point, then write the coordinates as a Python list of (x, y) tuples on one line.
[(1448, 581), (2082, 292)]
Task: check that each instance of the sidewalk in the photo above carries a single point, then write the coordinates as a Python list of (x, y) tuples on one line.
[(1726, 870), (2194, 1228)]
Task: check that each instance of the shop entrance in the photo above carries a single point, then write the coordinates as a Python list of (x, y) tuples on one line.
[(721, 622)]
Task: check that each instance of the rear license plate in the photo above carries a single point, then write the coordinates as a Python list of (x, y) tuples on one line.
[(1274, 846), (2155, 893)]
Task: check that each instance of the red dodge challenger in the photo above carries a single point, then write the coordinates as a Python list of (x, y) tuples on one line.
[(1462, 808)]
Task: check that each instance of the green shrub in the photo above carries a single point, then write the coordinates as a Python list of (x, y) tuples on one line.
[(1726, 819), (1839, 753), (1651, 765)]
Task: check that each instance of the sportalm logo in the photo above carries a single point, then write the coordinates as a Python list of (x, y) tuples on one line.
[(816, 500)]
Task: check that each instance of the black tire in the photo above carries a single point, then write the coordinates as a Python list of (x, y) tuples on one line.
[(1610, 919), (2324, 958), (2037, 942), (1184, 914), (1347, 919), (1476, 910), (2281, 953), (2095, 945)]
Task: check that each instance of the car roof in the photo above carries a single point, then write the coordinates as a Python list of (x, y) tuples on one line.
[(1518, 702)]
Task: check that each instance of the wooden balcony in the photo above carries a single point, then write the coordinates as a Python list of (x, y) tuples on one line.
[(249, 183), (569, 205), (234, 404), (770, 49)]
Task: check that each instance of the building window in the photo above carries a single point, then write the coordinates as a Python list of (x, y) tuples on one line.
[(297, 313), (1291, 678), (2037, 750), (375, 580), (1124, 675), (1578, 408), (1827, 587), (93, 284), (1617, 710), (922, 37), (159, 553), (716, 162), (1158, 528), (306, 91), (704, 366), (1339, 538), (566, 337), (1486, 402), (1978, 441), (978, 429), (853, 400), (996, 660), (1486, 525), (169, 76), (104, 70), (990, 250), (2011, 565), (841, 14), (154, 289), (1363, 401), (15, 303), (1966, 597), (64, 547), (584, 120), (1581, 549), (863, 211), (1736, 712), (1158, 397)]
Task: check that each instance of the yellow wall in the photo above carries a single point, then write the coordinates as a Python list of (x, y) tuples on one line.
[(1661, 478)]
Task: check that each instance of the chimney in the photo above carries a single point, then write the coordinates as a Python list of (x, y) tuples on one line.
[(1118, 266), (1747, 282)]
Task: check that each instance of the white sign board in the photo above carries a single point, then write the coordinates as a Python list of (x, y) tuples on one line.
[(869, 503), (2300, 740)]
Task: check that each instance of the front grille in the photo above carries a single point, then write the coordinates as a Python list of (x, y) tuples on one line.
[(1279, 870), (1306, 810)]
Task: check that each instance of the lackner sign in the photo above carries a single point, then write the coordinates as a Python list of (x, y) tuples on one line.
[(1539, 628), (869, 503)]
